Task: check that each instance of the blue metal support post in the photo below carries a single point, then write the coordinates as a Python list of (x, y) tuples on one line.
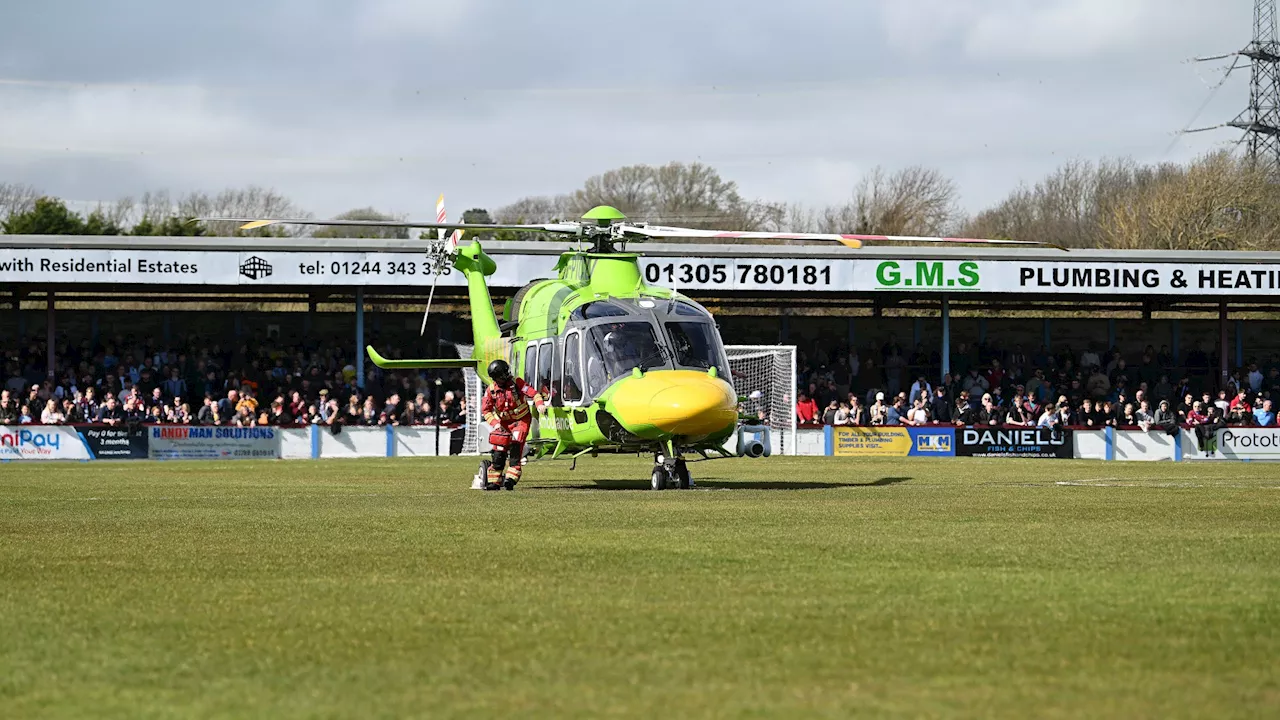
[(52, 349), (1239, 343), (946, 338), (360, 338)]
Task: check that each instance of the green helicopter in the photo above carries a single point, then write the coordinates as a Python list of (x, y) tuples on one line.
[(624, 366)]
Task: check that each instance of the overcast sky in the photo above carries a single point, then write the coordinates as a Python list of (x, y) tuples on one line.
[(390, 102)]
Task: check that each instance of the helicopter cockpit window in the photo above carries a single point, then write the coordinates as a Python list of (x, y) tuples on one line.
[(684, 308), (599, 309), (615, 348), (696, 345)]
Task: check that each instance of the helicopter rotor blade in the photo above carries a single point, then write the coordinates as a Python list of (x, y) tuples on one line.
[(848, 240), (430, 297), (572, 228)]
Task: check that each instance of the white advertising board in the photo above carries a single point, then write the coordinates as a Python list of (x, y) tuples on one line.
[(40, 442), (391, 269), (1249, 443), (180, 442)]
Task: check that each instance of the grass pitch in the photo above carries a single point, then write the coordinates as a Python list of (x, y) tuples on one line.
[(810, 587)]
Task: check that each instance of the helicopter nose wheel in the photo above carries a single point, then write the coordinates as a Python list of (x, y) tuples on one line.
[(670, 473)]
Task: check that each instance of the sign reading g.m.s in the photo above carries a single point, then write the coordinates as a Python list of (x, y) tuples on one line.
[(1014, 442), (926, 275)]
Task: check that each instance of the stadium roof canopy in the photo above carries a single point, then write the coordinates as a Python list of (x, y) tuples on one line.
[(380, 265)]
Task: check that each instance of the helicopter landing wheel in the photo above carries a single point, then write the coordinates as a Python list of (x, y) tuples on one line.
[(660, 479), (682, 477)]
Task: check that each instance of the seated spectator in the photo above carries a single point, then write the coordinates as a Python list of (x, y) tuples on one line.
[(1264, 413), (1144, 416), (1017, 414), (990, 414), (1048, 418), (1165, 419), (52, 413), (1128, 417)]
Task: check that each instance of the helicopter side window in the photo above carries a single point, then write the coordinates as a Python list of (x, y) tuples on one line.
[(620, 347), (572, 366), (530, 363), (697, 345), (546, 350)]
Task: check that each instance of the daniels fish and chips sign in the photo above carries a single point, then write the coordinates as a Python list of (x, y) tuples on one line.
[(742, 272), (1014, 442)]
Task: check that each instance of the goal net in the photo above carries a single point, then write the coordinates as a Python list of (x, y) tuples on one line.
[(769, 370)]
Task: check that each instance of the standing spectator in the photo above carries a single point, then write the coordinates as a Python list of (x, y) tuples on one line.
[(940, 406), (1255, 378), (857, 413), (829, 414), (806, 409), (175, 386), (879, 411)]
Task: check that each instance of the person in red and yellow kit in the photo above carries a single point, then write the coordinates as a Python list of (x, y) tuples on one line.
[(505, 407)]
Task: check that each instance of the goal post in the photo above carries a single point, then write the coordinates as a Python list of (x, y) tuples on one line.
[(769, 370)]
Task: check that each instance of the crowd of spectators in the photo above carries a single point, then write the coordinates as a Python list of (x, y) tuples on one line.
[(262, 382), (991, 385)]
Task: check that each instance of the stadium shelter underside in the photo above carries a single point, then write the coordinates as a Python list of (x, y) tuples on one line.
[(358, 291)]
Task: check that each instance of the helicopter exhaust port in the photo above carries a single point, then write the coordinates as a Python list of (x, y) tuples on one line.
[(759, 444)]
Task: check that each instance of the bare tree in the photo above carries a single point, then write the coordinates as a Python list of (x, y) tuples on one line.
[(16, 198), (629, 189), (1218, 202), (248, 202), (539, 209), (912, 201)]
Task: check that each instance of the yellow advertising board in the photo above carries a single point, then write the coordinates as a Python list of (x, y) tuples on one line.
[(867, 441)]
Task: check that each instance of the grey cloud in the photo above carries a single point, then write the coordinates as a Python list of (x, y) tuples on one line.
[(388, 103)]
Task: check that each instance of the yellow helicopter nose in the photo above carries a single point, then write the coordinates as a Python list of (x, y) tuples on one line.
[(675, 402)]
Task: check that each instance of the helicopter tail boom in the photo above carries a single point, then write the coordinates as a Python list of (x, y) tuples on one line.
[(424, 364)]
